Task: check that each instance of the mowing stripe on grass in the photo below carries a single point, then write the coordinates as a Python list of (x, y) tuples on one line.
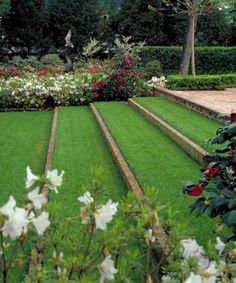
[(80, 147), (192, 149), (193, 125), (169, 94), (127, 174), (24, 141), (156, 161)]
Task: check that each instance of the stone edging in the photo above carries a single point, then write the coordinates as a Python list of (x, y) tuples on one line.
[(127, 174), (192, 149), (165, 92)]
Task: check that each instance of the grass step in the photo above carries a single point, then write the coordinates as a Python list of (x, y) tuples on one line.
[(192, 124), (156, 161), (24, 141), (80, 148)]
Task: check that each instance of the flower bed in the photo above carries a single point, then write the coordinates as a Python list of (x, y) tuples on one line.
[(32, 91)]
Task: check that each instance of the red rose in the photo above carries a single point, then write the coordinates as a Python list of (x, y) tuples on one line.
[(196, 192), (12, 67), (212, 171), (122, 72)]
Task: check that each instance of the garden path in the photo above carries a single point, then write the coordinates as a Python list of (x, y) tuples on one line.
[(222, 101)]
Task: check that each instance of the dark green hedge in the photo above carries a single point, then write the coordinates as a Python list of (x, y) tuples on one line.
[(201, 82), (209, 60)]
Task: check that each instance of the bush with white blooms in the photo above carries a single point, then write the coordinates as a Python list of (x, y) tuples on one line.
[(40, 245)]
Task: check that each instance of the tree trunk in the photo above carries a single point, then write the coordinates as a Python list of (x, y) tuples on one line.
[(187, 48), (194, 17)]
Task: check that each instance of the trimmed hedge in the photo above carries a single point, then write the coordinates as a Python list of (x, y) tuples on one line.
[(201, 82), (209, 60)]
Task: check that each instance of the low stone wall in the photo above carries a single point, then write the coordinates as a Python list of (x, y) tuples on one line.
[(189, 104)]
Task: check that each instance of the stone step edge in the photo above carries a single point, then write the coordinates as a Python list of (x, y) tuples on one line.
[(127, 174), (36, 258), (195, 151), (165, 92)]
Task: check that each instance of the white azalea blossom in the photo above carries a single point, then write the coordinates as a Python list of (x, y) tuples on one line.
[(107, 269), (30, 178), (219, 245), (41, 223), (87, 199), (38, 199), (55, 179), (193, 278), (104, 214), (16, 224), (8, 208), (192, 249)]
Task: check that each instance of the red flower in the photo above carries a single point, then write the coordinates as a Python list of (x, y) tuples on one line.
[(12, 67), (98, 84), (121, 81), (212, 171), (232, 117), (94, 96), (41, 73), (122, 72), (197, 191), (93, 70)]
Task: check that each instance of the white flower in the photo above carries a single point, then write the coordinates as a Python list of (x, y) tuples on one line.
[(41, 223), (193, 278), (31, 178), (38, 199), (55, 179), (219, 245), (87, 199), (165, 278), (192, 249), (149, 236), (16, 224), (107, 269), (104, 214), (212, 272), (8, 208)]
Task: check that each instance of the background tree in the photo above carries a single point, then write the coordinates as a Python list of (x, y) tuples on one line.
[(191, 8), (136, 20), (4, 7)]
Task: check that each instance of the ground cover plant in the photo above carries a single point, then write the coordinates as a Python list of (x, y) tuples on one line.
[(24, 140), (192, 124), (216, 188), (155, 161)]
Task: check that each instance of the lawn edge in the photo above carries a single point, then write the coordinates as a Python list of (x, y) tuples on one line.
[(127, 174), (165, 92), (195, 151)]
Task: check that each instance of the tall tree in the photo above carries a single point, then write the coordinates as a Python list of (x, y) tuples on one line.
[(191, 8), (4, 7), (137, 20)]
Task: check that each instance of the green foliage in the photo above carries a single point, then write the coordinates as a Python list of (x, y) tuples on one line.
[(51, 59), (217, 196), (209, 60), (152, 69), (202, 82), (30, 61), (4, 7)]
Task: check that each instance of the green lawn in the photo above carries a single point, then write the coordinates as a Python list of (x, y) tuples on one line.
[(80, 147), (192, 124), (156, 161), (24, 141)]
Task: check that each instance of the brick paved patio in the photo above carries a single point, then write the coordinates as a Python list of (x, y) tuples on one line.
[(222, 101)]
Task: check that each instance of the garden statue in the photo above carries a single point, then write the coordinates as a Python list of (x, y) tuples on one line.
[(69, 46)]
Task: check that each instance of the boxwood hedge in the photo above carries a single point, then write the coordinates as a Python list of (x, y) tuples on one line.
[(209, 60)]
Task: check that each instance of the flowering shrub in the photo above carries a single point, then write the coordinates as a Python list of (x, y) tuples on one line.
[(190, 263), (216, 190), (34, 91), (156, 82), (119, 84)]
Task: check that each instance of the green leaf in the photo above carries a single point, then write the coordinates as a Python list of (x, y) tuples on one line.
[(230, 218)]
